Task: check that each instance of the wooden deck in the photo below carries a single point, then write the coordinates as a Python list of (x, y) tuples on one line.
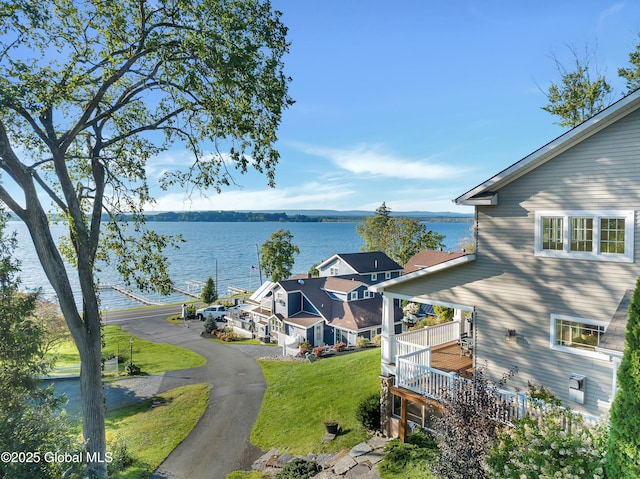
[(446, 357)]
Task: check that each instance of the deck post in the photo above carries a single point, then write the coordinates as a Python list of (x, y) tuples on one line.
[(403, 420)]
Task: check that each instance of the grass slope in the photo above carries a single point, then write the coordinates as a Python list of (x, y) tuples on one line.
[(151, 433), (300, 395), (153, 358)]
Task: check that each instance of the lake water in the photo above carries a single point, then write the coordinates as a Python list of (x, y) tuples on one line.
[(228, 248)]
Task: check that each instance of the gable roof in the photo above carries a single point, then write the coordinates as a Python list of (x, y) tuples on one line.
[(428, 258), (365, 263), (352, 315), (487, 192)]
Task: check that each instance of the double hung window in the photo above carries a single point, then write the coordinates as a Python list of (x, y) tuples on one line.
[(591, 235)]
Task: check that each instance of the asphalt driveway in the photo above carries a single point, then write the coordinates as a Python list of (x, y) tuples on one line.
[(219, 443)]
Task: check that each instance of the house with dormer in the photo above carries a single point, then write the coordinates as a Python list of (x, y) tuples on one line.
[(547, 286), (335, 307)]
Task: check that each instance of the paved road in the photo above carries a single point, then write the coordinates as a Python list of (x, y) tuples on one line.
[(219, 443)]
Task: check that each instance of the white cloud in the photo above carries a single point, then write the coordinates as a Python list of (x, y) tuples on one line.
[(312, 195), (372, 160)]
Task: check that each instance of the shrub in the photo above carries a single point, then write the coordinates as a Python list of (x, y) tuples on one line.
[(298, 469), (318, 351), (468, 428), (121, 458), (623, 455), (368, 412), (548, 448), (210, 325), (362, 342), (418, 451), (131, 369), (191, 311), (377, 340), (340, 346)]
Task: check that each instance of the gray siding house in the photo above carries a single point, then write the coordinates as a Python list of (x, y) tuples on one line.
[(335, 307), (556, 254)]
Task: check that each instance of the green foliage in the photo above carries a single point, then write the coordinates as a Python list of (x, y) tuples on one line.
[(368, 412), (445, 314), (398, 237), (623, 455), (415, 454), (121, 456), (209, 293), (90, 92), (632, 74), (362, 342), (561, 445), (313, 271), (131, 369), (577, 98), (298, 469), (30, 417), (210, 324), (276, 255), (543, 394)]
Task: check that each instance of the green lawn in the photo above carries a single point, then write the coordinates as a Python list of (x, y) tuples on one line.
[(152, 358), (151, 433), (300, 395)]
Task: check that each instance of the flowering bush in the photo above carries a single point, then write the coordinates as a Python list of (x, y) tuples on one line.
[(340, 346), (559, 446), (318, 351), (411, 308)]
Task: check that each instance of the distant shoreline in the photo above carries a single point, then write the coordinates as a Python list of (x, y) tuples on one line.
[(313, 216), (283, 217)]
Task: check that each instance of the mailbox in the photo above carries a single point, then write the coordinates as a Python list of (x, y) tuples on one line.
[(577, 387)]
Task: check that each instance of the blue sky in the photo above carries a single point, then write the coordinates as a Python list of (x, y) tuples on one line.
[(415, 102)]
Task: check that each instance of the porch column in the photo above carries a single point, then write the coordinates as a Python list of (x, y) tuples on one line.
[(388, 355)]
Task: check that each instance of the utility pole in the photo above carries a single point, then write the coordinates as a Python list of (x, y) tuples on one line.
[(259, 265)]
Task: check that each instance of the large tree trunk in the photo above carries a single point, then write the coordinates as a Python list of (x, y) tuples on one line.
[(85, 330)]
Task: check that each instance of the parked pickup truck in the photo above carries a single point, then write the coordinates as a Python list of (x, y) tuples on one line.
[(216, 311)]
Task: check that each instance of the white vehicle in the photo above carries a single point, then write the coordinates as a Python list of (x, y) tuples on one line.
[(216, 311)]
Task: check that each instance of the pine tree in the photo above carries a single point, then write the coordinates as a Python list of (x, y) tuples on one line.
[(623, 453), (209, 293)]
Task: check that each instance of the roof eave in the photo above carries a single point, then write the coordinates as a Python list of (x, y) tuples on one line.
[(565, 141), (380, 287)]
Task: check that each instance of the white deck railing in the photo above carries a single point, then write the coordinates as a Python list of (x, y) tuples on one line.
[(412, 373), (413, 341)]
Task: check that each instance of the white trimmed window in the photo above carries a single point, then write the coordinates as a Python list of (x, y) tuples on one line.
[(354, 295), (591, 235), (368, 294), (374, 276), (387, 275), (577, 335), (333, 271)]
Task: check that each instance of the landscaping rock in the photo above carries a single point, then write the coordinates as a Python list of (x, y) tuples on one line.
[(360, 462), (358, 471), (262, 462), (360, 449), (374, 457), (344, 464)]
